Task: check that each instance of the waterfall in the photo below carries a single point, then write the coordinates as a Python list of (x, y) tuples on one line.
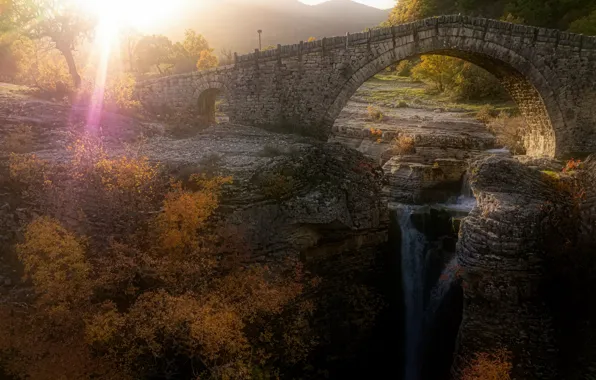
[(437, 294), (413, 247), (466, 187), (415, 265)]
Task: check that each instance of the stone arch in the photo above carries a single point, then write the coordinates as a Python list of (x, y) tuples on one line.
[(205, 97), (527, 85)]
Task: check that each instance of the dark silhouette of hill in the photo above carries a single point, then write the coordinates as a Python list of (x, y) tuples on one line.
[(233, 24)]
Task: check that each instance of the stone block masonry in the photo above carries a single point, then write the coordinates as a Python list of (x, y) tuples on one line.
[(303, 87)]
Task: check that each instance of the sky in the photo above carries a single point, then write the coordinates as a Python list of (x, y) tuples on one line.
[(382, 4)]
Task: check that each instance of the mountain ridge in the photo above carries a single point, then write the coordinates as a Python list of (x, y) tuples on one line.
[(233, 24)]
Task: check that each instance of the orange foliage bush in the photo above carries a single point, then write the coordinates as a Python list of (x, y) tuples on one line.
[(572, 165), (376, 132), (55, 262), (489, 366), (136, 286), (404, 145)]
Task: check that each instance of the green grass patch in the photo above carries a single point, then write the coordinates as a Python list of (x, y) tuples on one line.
[(411, 93)]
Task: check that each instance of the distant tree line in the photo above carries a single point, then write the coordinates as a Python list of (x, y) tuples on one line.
[(46, 44), (578, 16)]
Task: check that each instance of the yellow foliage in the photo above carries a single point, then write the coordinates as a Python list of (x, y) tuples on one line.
[(206, 60), (311, 39), (119, 93), (374, 113), (148, 302), (27, 169), (126, 174), (32, 348), (86, 152), (441, 71), (489, 366), (251, 294), (404, 145), (184, 212), (39, 65), (55, 261)]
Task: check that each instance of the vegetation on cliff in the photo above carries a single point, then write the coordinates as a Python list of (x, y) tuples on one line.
[(127, 276)]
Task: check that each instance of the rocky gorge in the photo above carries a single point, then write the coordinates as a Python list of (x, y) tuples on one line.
[(430, 254), (482, 235)]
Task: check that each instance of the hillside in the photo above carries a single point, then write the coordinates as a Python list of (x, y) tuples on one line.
[(233, 24)]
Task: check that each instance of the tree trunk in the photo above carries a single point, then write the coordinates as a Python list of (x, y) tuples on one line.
[(72, 67)]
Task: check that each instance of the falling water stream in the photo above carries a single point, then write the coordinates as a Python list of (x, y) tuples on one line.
[(414, 257), (413, 244)]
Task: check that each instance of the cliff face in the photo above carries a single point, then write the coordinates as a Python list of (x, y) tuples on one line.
[(289, 194), (291, 197), (588, 205), (502, 254)]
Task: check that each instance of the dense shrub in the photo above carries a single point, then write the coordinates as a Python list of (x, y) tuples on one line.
[(207, 60), (374, 113), (40, 66), (489, 366), (486, 113), (404, 68), (457, 78), (404, 145), (131, 281), (509, 131)]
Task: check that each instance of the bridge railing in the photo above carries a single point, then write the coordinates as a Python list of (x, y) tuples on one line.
[(541, 35), (556, 38)]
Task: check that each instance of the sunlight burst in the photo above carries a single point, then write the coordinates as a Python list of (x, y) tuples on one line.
[(131, 13)]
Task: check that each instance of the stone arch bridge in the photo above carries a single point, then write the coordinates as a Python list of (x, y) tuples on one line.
[(303, 87)]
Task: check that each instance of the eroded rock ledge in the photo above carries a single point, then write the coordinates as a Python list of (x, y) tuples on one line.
[(290, 194), (501, 251)]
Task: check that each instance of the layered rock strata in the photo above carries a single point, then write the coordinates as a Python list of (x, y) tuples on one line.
[(502, 254)]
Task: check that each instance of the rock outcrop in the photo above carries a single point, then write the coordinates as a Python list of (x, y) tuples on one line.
[(290, 194), (501, 251), (588, 205)]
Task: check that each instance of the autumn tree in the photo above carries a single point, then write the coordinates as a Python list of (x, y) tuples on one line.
[(134, 278), (192, 45), (457, 78), (63, 23), (190, 51), (544, 13), (438, 70), (154, 51), (38, 64), (129, 38), (206, 60)]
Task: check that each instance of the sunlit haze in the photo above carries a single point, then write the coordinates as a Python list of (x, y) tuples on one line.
[(381, 4), (135, 13)]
